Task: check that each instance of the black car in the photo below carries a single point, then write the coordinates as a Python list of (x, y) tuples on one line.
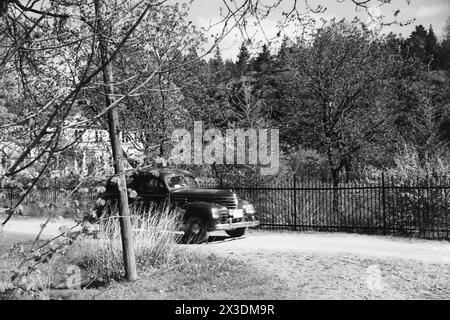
[(204, 210)]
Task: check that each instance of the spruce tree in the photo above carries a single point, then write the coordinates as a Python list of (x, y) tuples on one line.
[(242, 61)]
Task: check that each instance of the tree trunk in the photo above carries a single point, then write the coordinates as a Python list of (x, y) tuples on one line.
[(118, 156)]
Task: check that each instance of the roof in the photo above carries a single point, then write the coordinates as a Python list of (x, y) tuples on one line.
[(165, 172)]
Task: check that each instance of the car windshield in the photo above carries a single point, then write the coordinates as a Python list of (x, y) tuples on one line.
[(179, 182)]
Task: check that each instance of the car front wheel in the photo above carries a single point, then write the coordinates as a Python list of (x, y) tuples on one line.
[(195, 231)]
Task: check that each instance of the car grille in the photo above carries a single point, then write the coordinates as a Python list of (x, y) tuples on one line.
[(230, 203), (224, 216)]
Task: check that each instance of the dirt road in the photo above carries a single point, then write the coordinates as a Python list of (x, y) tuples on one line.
[(333, 243), (341, 266), (300, 265), (31, 226), (257, 241)]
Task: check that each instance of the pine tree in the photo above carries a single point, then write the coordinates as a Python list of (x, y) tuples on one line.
[(431, 49), (217, 61), (417, 42), (263, 60), (242, 61), (444, 50), (217, 67), (283, 53)]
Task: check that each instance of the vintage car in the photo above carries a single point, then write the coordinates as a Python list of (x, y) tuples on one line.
[(203, 210)]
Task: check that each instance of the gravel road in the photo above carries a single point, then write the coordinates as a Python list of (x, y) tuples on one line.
[(307, 265), (336, 243), (290, 242), (341, 266)]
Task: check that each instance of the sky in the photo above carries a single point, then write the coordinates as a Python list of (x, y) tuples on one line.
[(425, 12)]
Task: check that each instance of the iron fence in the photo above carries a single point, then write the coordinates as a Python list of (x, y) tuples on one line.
[(384, 205)]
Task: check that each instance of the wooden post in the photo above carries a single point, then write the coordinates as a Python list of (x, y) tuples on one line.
[(116, 145)]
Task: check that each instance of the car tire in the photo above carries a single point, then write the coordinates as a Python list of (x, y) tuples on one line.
[(195, 231), (239, 232)]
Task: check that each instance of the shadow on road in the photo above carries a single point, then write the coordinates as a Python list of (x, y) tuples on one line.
[(221, 239)]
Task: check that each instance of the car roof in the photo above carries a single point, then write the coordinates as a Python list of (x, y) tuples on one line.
[(163, 172)]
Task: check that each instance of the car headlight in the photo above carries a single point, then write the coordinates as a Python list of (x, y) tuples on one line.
[(215, 213), (249, 208)]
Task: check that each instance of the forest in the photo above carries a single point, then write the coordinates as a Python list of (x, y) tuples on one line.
[(351, 103), (347, 100)]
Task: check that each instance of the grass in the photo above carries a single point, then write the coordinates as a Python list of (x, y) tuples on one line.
[(154, 244), (194, 276), (166, 269), (8, 261), (188, 275)]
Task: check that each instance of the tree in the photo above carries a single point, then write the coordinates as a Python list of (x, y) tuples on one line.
[(284, 53), (345, 77), (432, 49), (116, 146), (242, 60), (444, 50), (244, 104), (423, 46), (417, 42), (163, 98), (263, 60), (216, 62), (53, 52), (57, 63)]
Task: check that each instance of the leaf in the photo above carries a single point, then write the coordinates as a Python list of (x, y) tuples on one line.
[(100, 202), (83, 190), (115, 180), (100, 189), (64, 229), (132, 193)]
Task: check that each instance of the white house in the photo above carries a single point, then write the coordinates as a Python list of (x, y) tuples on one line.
[(88, 149), (92, 147)]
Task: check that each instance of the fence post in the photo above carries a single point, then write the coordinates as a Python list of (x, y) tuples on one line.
[(383, 200), (295, 202)]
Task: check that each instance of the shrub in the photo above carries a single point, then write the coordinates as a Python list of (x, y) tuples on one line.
[(418, 203)]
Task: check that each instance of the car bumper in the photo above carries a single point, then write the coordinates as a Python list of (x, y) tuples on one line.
[(236, 225)]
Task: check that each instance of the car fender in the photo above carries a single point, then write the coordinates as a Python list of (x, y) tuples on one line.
[(200, 209)]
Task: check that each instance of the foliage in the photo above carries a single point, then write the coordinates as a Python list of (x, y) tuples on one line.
[(346, 95), (426, 205), (345, 77)]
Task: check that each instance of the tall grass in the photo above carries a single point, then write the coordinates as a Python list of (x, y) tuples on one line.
[(155, 239)]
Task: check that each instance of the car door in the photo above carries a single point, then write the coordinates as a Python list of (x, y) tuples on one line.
[(153, 190)]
